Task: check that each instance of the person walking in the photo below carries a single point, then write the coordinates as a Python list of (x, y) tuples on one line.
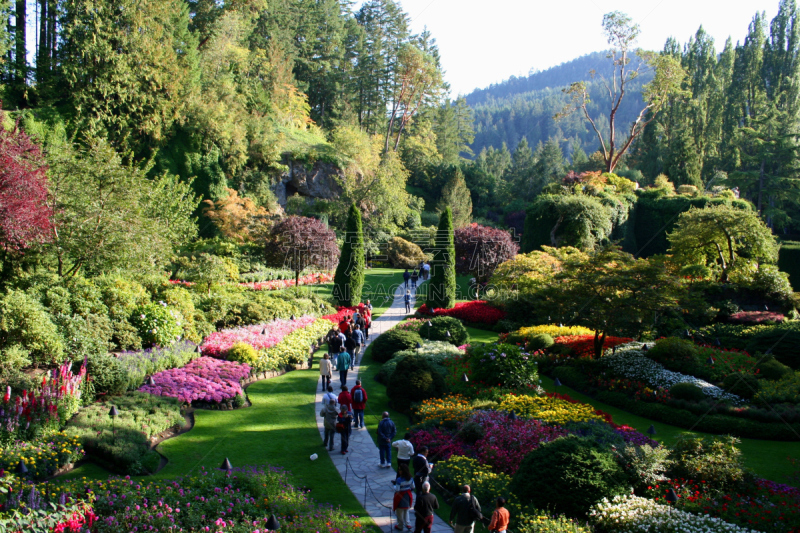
[(343, 365), (344, 421), (406, 277), (359, 396), (422, 468), (500, 517), (386, 432), (328, 396), (358, 338), (424, 508), (414, 279), (329, 415), (345, 399), (405, 451), (325, 369), (403, 497), (335, 344), (367, 323), (465, 511), (407, 299), (426, 270), (369, 305)]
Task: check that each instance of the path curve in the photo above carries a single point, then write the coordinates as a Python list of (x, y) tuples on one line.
[(362, 452)]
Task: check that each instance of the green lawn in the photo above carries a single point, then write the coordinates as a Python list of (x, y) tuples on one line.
[(379, 287), (462, 290)]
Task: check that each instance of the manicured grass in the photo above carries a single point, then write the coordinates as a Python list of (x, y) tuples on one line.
[(379, 287), (481, 335), (462, 290)]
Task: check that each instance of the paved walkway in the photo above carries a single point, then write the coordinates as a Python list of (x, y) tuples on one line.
[(362, 459)]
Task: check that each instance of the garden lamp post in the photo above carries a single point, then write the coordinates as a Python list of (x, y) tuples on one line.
[(716, 342), (512, 415), (292, 318), (448, 334), (464, 378), (226, 467), (151, 382), (272, 524), (651, 430), (21, 469), (557, 384), (710, 360), (198, 349), (672, 497), (264, 331), (687, 333), (644, 347), (113, 413), (613, 349)]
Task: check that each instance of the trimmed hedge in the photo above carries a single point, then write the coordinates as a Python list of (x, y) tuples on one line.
[(439, 327), (391, 342), (415, 379), (789, 262)]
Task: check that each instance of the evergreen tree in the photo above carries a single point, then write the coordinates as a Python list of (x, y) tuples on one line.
[(442, 288), (348, 283), (456, 197)]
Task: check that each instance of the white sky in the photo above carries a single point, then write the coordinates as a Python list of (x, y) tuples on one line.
[(486, 41)]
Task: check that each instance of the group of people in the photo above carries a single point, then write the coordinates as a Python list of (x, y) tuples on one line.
[(340, 412), (345, 342), (422, 271)]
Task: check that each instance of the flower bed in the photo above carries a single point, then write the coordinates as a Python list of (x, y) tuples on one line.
[(639, 390), (205, 379), (140, 364), (523, 334), (630, 361), (43, 457), (453, 408), (553, 408), (293, 348), (277, 284), (259, 336), (583, 345), (344, 312), (756, 317), (476, 312)]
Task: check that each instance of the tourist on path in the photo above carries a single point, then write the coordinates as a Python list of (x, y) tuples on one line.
[(422, 468), (386, 432), (405, 451), (344, 422), (343, 365), (426, 270), (403, 497), (406, 277), (329, 414), (344, 325), (328, 396), (407, 299), (325, 369), (359, 396), (335, 344), (461, 513), (424, 508), (345, 399), (361, 325), (500, 517), (358, 338), (369, 306), (414, 279)]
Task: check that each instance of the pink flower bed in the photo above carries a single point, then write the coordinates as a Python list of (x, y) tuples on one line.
[(204, 379), (755, 317), (309, 279), (477, 312), (218, 343)]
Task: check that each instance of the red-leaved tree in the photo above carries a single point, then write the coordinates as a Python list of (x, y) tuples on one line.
[(480, 249), (25, 217), (297, 243)]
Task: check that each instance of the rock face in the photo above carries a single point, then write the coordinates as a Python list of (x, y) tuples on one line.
[(320, 181)]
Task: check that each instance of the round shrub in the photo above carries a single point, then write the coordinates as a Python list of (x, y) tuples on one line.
[(471, 432), (414, 380), (107, 374), (597, 431), (404, 254), (439, 327), (24, 321), (687, 391), (672, 349), (741, 384), (773, 370), (540, 342), (391, 342), (568, 475), (503, 365), (435, 351), (715, 460), (158, 324), (242, 352)]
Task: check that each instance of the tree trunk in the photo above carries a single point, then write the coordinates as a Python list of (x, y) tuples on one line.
[(21, 59), (599, 342), (759, 205), (553, 231)]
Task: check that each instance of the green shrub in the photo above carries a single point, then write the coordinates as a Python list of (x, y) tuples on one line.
[(571, 377), (672, 349), (785, 390), (741, 384), (107, 374), (541, 341), (644, 464), (774, 370), (404, 254), (437, 352), (391, 342), (597, 431), (25, 322), (687, 391), (783, 341), (714, 460), (158, 324), (243, 353), (414, 380), (85, 336), (502, 364), (180, 299), (439, 328), (471, 432), (568, 475)]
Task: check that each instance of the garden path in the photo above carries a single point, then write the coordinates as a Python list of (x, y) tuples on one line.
[(371, 484)]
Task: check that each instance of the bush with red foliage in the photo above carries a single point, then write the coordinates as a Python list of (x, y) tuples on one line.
[(755, 317), (476, 312), (480, 249), (25, 217), (583, 345)]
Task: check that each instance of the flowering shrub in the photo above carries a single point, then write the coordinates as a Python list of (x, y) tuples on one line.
[(634, 513), (308, 279), (502, 365), (583, 345), (632, 436), (453, 408), (294, 348), (639, 390), (259, 336), (785, 390), (44, 456), (204, 379), (630, 361), (523, 334), (553, 409), (476, 311), (756, 317), (158, 325), (142, 363), (441, 443)]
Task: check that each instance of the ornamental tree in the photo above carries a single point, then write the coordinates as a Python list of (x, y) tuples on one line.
[(298, 243), (480, 249), (348, 283), (25, 217), (442, 289)]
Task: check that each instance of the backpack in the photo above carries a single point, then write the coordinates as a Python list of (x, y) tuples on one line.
[(339, 427), (358, 396), (473, 511)]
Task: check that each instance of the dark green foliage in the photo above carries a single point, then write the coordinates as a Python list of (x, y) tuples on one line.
[(414, 380), (782, 341), (539, 342), (559, 220), (568, 475), (744, 385), (107, 374), (714, 460), (442, 286), (471, 432), (597, 431), (672, 349), (789, 262), (439, 328), (391, 342), (24, 321), (495, 364), (687, 391), (773, 370), (436, 352), (349, 278), (571, 377)]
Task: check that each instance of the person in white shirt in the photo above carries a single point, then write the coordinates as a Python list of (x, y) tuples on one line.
[(328, 396), (325, 369), (405, 450)]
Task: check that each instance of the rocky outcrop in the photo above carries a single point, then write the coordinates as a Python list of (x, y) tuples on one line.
[(321, 180)]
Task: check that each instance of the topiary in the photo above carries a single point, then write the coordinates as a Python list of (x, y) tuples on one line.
[(540, 342), (568, 475), (243, 353), (107, 374), (404, 254), (773, 370), (741, 384), (439, 328), (391, 342), (672, 349), (687, 391), (414, 380)]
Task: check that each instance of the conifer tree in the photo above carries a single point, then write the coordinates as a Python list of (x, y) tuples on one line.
[(456, 196), (442, 289), (349, 279)]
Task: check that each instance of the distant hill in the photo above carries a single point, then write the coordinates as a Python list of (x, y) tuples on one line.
[(517, 107)]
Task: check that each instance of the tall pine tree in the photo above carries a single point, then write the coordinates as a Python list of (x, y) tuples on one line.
[(456, 197), (442, 289), (348, 283)]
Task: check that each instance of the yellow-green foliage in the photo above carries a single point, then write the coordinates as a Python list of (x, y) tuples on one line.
[(293, 349), (525, 334), (405, 254), (621, 185), (243, 353)]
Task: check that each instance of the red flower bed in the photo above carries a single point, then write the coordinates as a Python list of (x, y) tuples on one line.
[(755, 317), (344, 312), (583, 345), (476, 311)]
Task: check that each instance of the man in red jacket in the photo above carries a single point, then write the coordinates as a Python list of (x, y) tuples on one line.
[(359, 396)]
